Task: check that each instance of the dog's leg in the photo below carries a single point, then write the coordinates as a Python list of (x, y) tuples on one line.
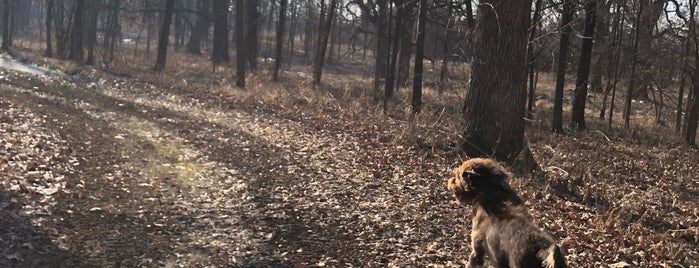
[(477, 257)]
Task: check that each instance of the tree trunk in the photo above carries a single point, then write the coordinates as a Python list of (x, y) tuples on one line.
[(91, 30), (6, 38), (390, 78), (200, 29), (494, 106), (416, 99), (49, 21), (693, 107), (253, 18), (76, 33), (444, 71), (406, 50), (381, 46), (240, 43), (683, 78), (632, 76), (292, 30), (566, 19), (280, 40), (220, 50), (603, 51), (580, 96), (530, 57), (323, 35), (164, 36), (111, 32)]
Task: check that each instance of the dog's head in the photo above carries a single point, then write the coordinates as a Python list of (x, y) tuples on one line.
[(477, 176)]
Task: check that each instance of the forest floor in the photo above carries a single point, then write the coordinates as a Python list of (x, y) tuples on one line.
[(123, 167)]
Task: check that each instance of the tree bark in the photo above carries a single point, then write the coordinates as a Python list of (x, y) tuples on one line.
[(395, 41), (381, 46), (6, 38), (164, 36), (49, 21), (280, 40), (530, 57), (494, 107), (566, 30), (220, 49), (406, 49), (634, 59), (416, 99), (580, 95), (323, 35), (75, 52), (91, 30), (240, 43), (252, 16), (200, 29)]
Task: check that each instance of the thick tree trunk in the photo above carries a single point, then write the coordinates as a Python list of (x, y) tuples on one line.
[(76, 33), (220, 50), (252, 16), (323, 35), (566, 30), (164, 36), (49, 22), (200, 29), (280, 40), (240, 43), (580, 96), (494, 107), (416, 98)]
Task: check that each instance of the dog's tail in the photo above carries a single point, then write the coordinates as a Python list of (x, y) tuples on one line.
[(553, 257)]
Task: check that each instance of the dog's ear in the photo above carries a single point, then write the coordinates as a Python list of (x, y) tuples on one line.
[(482, 171)]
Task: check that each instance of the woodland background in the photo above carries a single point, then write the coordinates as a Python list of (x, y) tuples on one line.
[(297, 133)]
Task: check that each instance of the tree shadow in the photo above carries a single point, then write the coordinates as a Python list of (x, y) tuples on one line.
[(105, 237), (24, 242)]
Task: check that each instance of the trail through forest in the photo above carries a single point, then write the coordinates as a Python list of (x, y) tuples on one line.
[(164, 179), (118, 169)]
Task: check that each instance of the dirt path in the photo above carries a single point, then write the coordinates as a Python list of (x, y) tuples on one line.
[(177, 180)]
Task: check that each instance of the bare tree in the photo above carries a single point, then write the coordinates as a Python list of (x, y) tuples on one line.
[(49, 22), (91, 29), (580, 95), (75, 52), (566, 30), (632, 76), (220, 49), (6, 37), (164, 36), (280, 39), (326, 19), (494, 107), (252, 17), (419, 56), (200, 28), (395, 41), (240, 43)]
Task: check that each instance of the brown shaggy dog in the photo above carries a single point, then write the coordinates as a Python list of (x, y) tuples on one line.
[(501, 226)]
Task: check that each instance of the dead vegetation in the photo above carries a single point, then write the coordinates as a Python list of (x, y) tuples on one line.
[(327, 178)]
